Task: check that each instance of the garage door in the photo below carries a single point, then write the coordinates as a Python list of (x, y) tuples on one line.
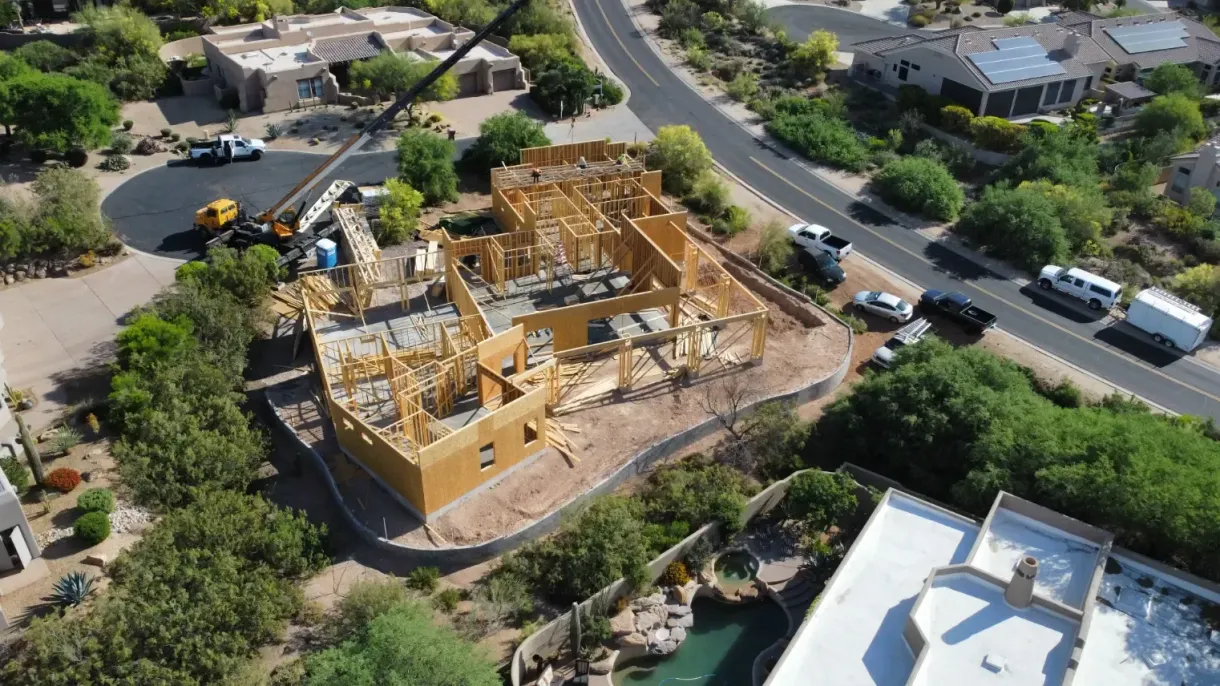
[(468, 84), (504, 80)]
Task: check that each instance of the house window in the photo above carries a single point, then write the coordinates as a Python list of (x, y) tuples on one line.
[(1065, 94), (309, 88), (487, 456), (1088, 83), (903, 70), (1052, 93)]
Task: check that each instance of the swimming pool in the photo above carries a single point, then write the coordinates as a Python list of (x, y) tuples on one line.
[(723, 643)]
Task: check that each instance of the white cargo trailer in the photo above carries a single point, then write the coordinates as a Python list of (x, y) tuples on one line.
[(1172, 321)]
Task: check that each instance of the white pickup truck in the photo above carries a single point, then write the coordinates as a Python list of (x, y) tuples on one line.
[(816, 238), (226, 147)]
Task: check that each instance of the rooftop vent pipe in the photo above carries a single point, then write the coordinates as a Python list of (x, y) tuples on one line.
[(1020, 591)]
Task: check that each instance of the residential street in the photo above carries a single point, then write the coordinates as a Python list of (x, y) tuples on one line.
[(1120, 355)]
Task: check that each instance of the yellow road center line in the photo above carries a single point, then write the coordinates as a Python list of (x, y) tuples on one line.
[(622, 44), (1011, 304)]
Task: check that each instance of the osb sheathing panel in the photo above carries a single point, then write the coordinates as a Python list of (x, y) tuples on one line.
[(651, 181), (570, 153), (571, 324), (494, 350), (451, 465), (378, 455), (666, 231)]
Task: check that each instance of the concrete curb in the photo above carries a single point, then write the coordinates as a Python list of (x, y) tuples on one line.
[(463, 556)]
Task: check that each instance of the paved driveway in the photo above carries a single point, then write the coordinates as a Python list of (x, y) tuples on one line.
[(153, 212), (58, 330)]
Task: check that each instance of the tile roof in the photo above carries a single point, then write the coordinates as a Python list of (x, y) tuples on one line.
[(1201, 44), (347, 48)]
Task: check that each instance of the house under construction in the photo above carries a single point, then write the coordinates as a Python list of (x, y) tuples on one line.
[(440, 368)]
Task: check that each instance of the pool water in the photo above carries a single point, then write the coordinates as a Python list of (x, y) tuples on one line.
[(736, 568), (723, 643)]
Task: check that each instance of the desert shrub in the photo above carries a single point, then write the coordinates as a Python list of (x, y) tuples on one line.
[(425, 162), (734, 220), (612, 92), (62, 479), (920, 20), (365, 601), (399, 210), (501, 138), (1019, 224), (16, 473), (775, 249), (743, 86), (76, 157), (116, 163), (956, 119), (675, 574), (995, 133), (447, 600), (821, 138), (921, 185), (175, 137), (695, 492), (166, 132), (821, 499), (92, 527), (709, 195), (424, 579), (698, 554), (65, 439), (96, 500), (121, 143)]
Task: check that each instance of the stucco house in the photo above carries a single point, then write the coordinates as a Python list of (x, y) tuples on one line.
[(302, 60), (1197, 169), (1027, 70)]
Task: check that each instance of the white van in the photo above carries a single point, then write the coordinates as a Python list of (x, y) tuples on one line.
[(1173, 322), (1098, 292)]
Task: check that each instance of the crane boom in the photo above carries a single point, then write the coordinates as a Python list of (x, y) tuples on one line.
[(355, 143)]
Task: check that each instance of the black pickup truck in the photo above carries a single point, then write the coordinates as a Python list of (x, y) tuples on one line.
[(958, 306)]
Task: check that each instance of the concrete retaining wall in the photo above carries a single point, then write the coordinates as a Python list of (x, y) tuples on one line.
[(458, 557), (553, 637), (181, 48)]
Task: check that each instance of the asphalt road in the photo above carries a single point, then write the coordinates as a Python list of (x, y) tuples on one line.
[(1114, 352)]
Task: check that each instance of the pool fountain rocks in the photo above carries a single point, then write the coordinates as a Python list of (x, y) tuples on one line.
[(653, 623)]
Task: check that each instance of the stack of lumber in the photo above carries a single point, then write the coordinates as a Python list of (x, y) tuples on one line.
[(319, 290), (559, 440)]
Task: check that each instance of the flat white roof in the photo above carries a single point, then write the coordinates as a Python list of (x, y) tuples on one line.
[(429, 30), (276, 59), (481, 51), (1146, 627), (1065, 562), (854, 637), (393, 15), (975, 637)]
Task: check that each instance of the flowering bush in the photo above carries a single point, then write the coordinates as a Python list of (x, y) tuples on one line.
[(63, 479), (675, 575)]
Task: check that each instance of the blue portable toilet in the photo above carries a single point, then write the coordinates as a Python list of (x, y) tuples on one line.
[(328, 254)]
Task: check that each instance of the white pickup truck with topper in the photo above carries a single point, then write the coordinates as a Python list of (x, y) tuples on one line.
[(1099, 293), (226, 148), (1173, 322), (816, 238)]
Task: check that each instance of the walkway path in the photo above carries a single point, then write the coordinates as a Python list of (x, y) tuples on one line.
[(59, 331)]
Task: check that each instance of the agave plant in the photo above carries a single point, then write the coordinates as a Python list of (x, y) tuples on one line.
[(71, 589)]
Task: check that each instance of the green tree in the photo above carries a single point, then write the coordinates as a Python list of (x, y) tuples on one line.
[(501, 138), (921, 185), (816, 129), (812, 57), (364, 602), (402, 646), (14, 220), (537, 17), (592, 549), (1175, 113), (821, 499), (681, 156), (541, 51), (66, 215), (188, 604), (1202, 203), (57, 112), (390, 73), (399, 209), (1174, 78), (752, 14), (563, 88), (46, 56), (696, 492), (1082, 211), (248, 275), (425, 162), (1060, 155), (221, 324), (149, 340), (243, 11), (119, 31), (1019, 224), (1200, 285), (472, 13)]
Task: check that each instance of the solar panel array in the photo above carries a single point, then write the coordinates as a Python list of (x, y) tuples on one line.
[(1015, 59), (1161, 35)]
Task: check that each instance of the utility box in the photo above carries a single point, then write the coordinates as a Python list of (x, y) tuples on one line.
[(328, 254)]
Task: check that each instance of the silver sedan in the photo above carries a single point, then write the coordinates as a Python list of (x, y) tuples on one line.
[(885, 305)]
